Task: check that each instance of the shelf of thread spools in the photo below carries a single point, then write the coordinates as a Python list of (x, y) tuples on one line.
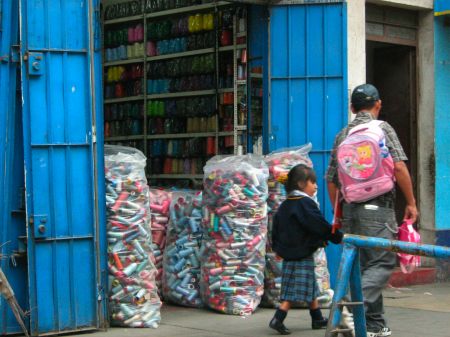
[(181, 155), (132, 10), (124, 83)]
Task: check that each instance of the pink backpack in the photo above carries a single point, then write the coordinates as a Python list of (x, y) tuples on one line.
[(407, 233), (365, 166)]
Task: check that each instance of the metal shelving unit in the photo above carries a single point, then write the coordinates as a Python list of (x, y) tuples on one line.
[(182, 94), (189, 9), (123, 62), (124, 99), (189, 135), (124, 19), (238, 85)]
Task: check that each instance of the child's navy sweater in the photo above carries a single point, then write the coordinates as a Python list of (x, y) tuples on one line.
[(299, 229)]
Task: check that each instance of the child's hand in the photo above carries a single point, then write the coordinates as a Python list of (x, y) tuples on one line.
[(337, 237)]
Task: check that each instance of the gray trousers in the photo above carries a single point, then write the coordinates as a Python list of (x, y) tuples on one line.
[(370, 219)]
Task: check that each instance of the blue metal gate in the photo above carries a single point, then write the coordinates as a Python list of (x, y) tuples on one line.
[(59, 39), (12, 213), (308, 82)]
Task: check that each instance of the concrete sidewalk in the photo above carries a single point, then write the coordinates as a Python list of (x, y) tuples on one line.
[(417, 311)]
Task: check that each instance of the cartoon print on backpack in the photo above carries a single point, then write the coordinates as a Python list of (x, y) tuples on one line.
[(364, 169)]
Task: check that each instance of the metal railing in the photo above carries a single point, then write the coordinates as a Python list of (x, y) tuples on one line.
[(350, 274)]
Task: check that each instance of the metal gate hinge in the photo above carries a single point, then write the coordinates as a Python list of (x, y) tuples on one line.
[(15, 53), (94, 134)]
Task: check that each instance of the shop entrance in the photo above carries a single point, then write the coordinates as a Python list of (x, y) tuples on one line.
[(391, 35), (392, 69)]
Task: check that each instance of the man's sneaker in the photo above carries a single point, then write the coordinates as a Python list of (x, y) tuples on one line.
[(347, 321), (383, 332)]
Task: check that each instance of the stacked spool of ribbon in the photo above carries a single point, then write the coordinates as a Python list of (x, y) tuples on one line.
[(133, 296), (159, 209), (235, 232), (181, 274)]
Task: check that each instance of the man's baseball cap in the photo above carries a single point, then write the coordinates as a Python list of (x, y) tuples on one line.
[(365, 93)]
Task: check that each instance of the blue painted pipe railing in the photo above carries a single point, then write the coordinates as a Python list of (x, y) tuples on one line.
[(349, 273), (398, 246)]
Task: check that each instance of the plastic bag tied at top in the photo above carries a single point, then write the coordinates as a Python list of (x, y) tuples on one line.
[(133, 297), (280, 163), (235, 232), (181, 276)]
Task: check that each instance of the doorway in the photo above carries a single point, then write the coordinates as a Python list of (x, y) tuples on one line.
[(392, 69)]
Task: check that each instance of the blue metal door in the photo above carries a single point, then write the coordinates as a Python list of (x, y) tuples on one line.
[(12, 213), (59, 41), (308, 81)]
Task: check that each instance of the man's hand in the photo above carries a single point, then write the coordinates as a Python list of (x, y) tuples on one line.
[(411, 213), (404, 182)]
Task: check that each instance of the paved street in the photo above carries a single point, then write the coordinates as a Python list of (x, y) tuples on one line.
[(413, 312)]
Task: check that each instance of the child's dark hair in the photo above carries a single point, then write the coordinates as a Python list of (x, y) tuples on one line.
[(299, 174)]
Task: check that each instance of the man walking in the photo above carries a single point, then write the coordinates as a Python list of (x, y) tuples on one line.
[(375, 217)]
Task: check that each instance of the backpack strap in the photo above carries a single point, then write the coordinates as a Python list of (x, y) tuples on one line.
[(365, 126)]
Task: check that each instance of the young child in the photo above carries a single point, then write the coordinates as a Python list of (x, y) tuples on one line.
[(299, 230)]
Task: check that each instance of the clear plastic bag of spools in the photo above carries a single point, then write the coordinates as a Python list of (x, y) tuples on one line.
[(181, 271), (133, 298), (235, 233)]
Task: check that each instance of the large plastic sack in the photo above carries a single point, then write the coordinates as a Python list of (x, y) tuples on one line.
[(181, 271), (133, 297), (235, 233), (279, 163), (159, 209)]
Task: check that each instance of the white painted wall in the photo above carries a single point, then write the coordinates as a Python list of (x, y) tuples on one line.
[(356, 41)]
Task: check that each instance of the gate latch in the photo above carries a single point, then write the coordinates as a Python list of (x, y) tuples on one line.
[(40, 223), (36, 64)]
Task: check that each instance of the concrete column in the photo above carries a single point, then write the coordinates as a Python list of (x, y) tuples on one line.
[(425, 129), (356, 34)]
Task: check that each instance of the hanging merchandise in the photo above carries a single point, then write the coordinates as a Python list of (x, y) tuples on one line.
[(181, 272), (133, 296), (235, 229), (280, 163), (159, 209)]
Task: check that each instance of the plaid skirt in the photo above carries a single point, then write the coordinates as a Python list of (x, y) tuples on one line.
[(298, 281)]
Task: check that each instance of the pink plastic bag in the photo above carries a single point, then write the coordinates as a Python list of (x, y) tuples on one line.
[(407, 233)]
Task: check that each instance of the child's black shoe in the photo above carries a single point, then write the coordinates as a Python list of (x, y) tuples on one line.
[(319, 323), (279, 326)]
